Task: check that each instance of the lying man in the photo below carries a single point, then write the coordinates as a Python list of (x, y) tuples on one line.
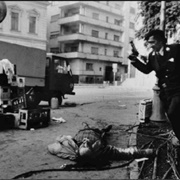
[(89, 146)]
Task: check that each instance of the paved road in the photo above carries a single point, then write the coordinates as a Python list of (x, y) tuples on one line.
[(89, 93), (23, 151)]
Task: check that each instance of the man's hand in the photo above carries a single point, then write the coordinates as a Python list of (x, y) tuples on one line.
[(132, 57)]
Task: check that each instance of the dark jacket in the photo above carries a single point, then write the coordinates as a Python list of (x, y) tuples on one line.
[(167, 69)]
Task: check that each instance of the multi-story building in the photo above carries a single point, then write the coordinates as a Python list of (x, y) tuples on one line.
[(94, 36), (25, 24)]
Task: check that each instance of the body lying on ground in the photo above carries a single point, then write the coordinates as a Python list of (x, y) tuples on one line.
[(89, 145)]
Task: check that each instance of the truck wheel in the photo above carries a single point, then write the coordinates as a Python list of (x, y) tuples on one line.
[(60, 100)]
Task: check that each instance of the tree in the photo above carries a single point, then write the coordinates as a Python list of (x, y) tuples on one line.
[(150, 12)]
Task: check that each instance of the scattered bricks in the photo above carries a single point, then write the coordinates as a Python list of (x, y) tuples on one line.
[(30, 118)]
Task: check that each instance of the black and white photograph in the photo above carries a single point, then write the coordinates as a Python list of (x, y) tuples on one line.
[(89, 90)]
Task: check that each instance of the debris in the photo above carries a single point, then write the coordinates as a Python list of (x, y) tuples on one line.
[(167, 172), (59, 120), (32, 129), (141, 159), (123, 106), (70, 104)]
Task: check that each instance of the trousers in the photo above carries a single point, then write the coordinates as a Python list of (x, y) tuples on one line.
[(172, 109)]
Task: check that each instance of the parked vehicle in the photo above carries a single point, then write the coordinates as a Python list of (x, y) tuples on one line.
[(46, 75)]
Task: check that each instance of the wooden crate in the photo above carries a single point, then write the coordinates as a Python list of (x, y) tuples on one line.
[(18, 103), (30, 118)]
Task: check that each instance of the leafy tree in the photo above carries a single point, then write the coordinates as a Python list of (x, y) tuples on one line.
[(150, 12)]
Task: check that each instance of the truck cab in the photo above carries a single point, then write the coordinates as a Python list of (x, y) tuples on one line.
[(58, 79)]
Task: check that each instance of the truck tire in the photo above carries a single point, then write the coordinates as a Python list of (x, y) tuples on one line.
[(60, 99)]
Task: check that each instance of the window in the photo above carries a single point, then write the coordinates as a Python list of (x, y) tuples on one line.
[(132, 10), (54, 50), (94, 50), (117, 6), (14, 21), (118, 22), (95, 16), (107, 19), (89, 66), (33, 16), (116, 53), (131, 25), (32, 24), (54, 34), (54, 18), (74, 48), (106, 35), (116, 38), (95, 33), (105, 51), (60, 66)]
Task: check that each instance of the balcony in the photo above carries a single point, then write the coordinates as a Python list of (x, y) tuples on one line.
[(82, 37), (93, 4), (87, 20), (81, 55)]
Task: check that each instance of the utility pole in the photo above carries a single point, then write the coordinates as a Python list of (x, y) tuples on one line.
[(158, 113), (162, 15)]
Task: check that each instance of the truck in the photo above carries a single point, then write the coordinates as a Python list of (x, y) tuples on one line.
[(46, 75)]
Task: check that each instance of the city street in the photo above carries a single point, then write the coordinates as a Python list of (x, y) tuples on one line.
[(26, 150)]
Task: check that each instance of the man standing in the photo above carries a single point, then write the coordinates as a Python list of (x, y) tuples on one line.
[(165, 61)]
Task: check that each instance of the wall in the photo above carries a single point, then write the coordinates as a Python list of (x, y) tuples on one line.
[(23, 37)]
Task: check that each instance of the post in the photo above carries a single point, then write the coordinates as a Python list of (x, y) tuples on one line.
[(158, 113), (114, 66), (162, 15), (114, 77)]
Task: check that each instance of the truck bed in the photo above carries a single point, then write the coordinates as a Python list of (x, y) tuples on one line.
[(30, 62)]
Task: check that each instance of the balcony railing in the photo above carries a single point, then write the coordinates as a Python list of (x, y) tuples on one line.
[(87, 20), (94, 4), (82, 37), (82, 55)]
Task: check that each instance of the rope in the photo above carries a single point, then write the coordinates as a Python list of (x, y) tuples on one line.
[(71, 167)]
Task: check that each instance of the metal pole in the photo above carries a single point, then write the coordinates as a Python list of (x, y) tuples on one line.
[(158, 113), (162, 15)]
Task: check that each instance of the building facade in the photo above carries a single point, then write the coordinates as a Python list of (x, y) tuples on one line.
[(94, 36), (25, 24)]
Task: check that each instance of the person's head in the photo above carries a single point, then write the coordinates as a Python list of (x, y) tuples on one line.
[(85, 149), (155, 39)]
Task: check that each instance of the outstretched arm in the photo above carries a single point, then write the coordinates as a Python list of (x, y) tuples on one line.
[(144, 68)]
